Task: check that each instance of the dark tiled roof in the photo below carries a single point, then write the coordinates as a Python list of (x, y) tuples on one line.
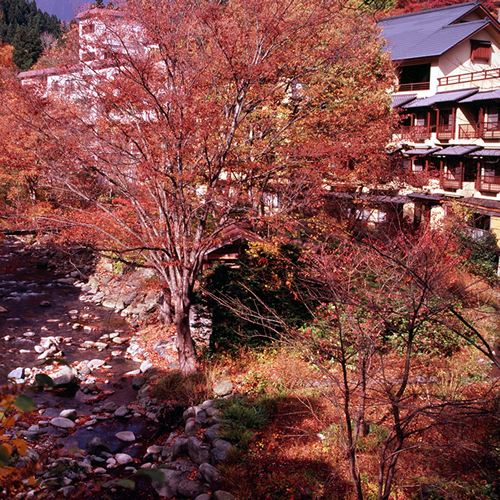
[(456, 150), (492, 205), (454, 95), (421, 151), (486, 153), (483, 96), (399, 100), (428, 33)]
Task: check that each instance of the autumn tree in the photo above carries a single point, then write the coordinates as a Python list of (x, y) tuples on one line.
[(387, 307), (197, 115)]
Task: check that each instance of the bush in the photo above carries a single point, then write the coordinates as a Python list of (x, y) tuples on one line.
[(241, 418), (482, 253), (265, 271)]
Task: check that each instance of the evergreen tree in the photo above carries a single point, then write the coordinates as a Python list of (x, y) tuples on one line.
[(15, 14), (27, 48)]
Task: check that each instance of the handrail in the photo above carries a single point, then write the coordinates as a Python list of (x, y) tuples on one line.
[(405, 87), (475, 76)]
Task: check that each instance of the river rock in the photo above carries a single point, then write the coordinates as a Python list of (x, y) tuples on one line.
[(126, 436), (65, 375), (123, 458), (198, 452), (109, 406), (138, 382), (154, 449), (145, 366), (212, 476), (220, 451), (45, 303), (63, 423), (3, 310), (223, 495), (121, 412), (17, 374), (168, 487), (95, 363), (189, 489), (203, 496), (212, 432), (223, 387), (96, 446), (71, 414), (201, 420)]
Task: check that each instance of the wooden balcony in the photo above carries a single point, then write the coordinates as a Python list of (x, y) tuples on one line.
[(451, 180), (470, 131), (491, 130), (484, 130), (405, 87), (415, 133), (486, 74), (445, 132), (490, 183)]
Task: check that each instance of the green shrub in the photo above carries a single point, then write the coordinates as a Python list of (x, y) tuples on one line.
[(241, 418)]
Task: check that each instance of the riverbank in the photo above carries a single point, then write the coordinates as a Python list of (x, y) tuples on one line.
[(98, 426)]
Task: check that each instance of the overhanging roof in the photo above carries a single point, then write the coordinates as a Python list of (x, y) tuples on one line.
[(431, 33), (399, 100), (440, 97), (424, 196), (486, 153), (483, 206), (421, 151), (456, 151), (483, 96)]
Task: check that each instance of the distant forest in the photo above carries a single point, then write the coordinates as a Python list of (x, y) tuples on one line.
[(24, 26)]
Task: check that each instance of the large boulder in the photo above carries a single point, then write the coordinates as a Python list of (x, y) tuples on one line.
[(168, 487), (199, 453)]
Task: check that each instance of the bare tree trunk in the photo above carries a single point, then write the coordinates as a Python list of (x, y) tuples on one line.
[(165, 311), (185, 346)]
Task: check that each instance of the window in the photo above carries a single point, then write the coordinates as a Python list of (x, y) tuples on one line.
[(481, 51), (418, 165), (421, 119), (87, 29)]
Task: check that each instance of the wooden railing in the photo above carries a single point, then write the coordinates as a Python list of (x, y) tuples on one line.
[(416, 133), (484, 130), (486, 74), (489, 183), (491, 130), (470, 131), (451, 181), (405, 87), (445, 131)]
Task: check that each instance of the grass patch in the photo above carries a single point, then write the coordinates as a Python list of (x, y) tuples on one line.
[(185, 391), (241, 418)]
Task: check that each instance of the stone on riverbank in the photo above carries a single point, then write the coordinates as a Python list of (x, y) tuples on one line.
[(63, 423)]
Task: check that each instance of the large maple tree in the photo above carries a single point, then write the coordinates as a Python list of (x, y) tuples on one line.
[(203, 114)]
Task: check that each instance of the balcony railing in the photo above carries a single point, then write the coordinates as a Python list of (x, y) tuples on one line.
[(450, 180), (484, 130), (415, 133), (405, 87), (490, 183), (470, 131), (486, 74), (445, 132)]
